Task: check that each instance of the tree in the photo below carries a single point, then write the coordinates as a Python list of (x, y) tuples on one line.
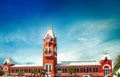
[(71, 70), (20, 73), (9, 74), (116, 66), (91, 75), (34, 71), (43, 73), (1, 72), (117, 74)]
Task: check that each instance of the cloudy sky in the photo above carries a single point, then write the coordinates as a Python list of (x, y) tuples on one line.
[(84, 28)]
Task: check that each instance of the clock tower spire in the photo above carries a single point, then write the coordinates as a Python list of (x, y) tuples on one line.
[(49, 52)]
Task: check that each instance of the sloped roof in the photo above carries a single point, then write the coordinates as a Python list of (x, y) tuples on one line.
[(9, 61), (50, 33)]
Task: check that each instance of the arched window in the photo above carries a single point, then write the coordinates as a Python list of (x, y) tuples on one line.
[(48, 67), (48, 50), (106, 69)]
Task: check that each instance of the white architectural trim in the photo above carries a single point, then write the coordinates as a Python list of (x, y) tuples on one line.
[(106, 65)]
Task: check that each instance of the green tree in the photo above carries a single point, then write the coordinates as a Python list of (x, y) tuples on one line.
[(9, 74), (34, 71), (117, 74), (91, 75), (43, 73), (20, 73), (116, 66), (71, 70)]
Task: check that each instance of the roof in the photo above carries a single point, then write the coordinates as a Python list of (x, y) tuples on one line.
[(78, 63), (27, 65), (9, 61), (50, 33)]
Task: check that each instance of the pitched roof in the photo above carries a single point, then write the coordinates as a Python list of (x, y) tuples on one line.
[(50, 33), (9, 61)]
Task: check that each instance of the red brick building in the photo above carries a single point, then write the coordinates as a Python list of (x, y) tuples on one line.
[(102, 68)]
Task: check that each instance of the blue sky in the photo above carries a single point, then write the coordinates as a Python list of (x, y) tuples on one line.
[(84, 28)]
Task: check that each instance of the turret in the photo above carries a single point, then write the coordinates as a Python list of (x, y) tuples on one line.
[(6, 65), (106, 65)]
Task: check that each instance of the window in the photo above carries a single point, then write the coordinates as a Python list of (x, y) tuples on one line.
[(87, 69), (81, 70), (77, 70), (106, 71), (64, 70), (12, 70), (17, 70), (95, 69), (59, 71), (90, 70), (48, 67), (48, 50), (25, 70)]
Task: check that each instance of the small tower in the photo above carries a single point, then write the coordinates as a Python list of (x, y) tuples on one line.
[(106, 65), (6, 65), (49, 52)]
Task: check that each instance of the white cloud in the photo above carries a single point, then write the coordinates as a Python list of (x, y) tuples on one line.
[(85, 40)]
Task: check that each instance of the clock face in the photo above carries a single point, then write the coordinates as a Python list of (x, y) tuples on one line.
[(5, 68), (48, 39)]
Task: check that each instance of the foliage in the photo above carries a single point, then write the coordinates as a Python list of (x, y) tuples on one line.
[(71, 70), (91, 75), (1, 72), (34, 71), (43, 72), (9, 74), (116, 66), (117, 74), (20, 73)]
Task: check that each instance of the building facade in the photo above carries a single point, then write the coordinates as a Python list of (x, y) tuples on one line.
[(101, 68)]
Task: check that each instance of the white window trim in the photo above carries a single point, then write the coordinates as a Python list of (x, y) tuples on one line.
[(48, 66)]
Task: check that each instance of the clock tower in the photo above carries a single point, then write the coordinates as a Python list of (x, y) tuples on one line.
[(50, 53)]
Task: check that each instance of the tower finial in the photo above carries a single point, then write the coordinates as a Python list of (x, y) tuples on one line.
[(50, 33)]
